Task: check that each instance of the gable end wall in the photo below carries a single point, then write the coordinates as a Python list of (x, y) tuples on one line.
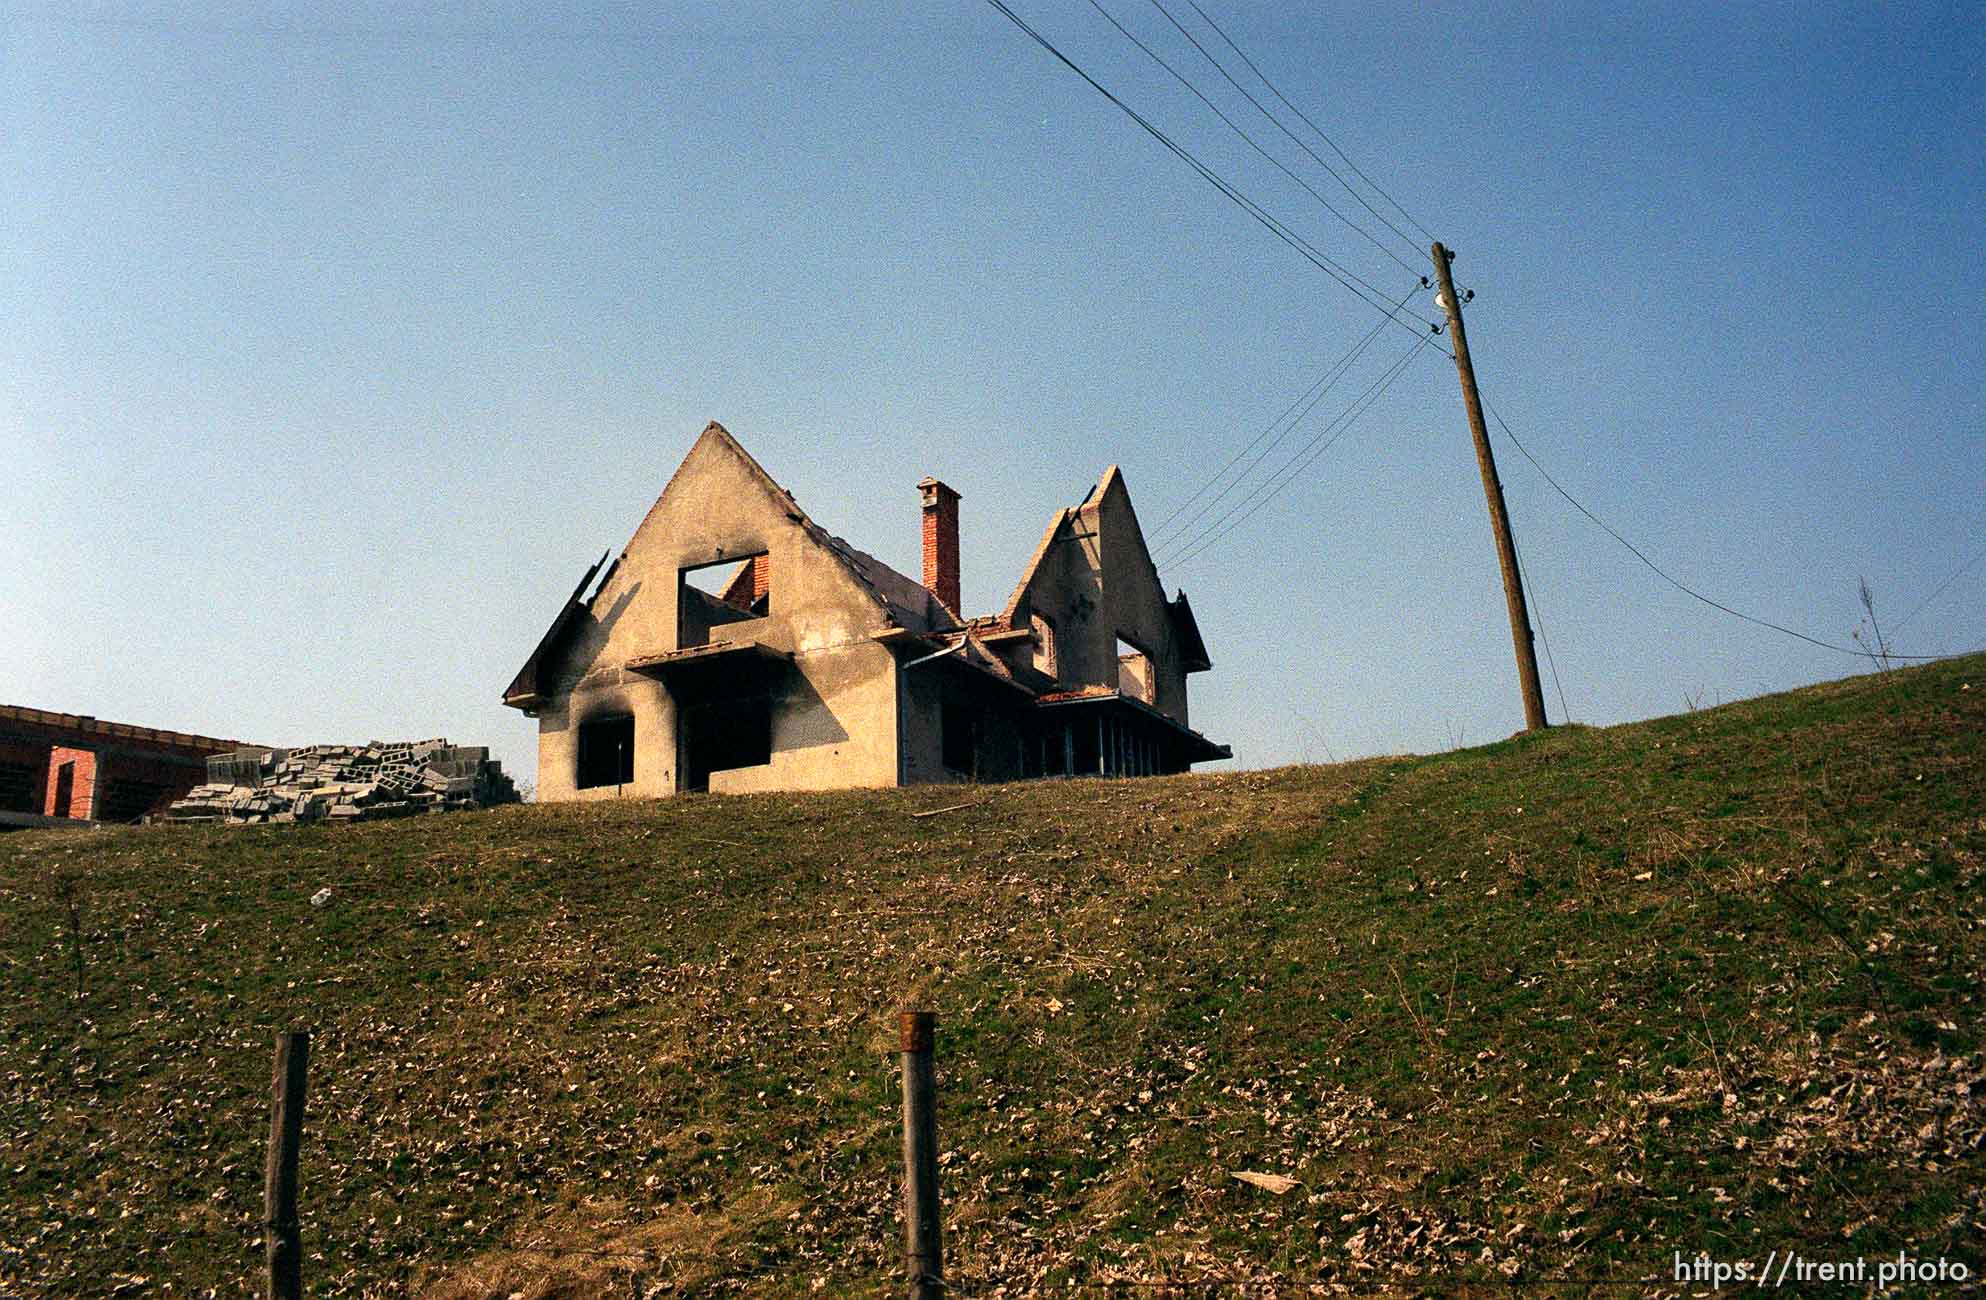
[(1097, 582), (834, 711)]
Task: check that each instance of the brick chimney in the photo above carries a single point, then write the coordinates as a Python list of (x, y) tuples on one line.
[(941, 542)]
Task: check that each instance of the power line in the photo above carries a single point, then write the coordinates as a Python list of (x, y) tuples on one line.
[(1312, 125), (1955, 573), (1405, 238), (1311, 396), (1342, 275), (1304, 458), (1664, 574), (1318, 387), (1291, 417), (1233, 126), (1300, 460)]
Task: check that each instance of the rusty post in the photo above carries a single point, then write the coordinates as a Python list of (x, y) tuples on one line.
[(281, 1232), (1506, 549), (923, 1249)]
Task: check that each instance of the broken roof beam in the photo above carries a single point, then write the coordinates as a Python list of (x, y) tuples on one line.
[(741, 653), (1192, 646), (524, 691)]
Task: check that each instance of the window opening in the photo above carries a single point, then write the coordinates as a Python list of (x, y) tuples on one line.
[(17, 788), (128, 798), (1134, 671), (723, 592), (1044, 642), (606, 752)]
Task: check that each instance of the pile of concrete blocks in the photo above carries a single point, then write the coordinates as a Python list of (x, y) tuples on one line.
[(344, 783)]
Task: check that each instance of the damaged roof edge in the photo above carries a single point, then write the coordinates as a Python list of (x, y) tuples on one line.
[(523, 691), (1034, 564), (906, 602), (872, 575), (1192, 646), (1102, 696)]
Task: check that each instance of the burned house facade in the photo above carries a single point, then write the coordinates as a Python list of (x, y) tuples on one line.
[(736, 646)]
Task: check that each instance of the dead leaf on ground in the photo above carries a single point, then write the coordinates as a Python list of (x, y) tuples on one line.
[(1267, 1182)]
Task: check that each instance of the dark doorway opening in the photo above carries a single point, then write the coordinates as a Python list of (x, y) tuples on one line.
[(725, 733), (65, 789), (1088, 747), (606, 752)]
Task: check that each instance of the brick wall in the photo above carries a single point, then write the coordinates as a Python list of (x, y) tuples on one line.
[(67, 765), (131, 786), (750, 584)]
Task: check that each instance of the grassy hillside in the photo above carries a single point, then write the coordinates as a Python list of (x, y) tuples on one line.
[(1553, 1008)]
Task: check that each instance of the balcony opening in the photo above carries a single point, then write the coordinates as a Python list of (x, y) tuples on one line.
[(606, 753)]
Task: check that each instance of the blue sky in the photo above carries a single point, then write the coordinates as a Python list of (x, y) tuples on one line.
[(342, 338)]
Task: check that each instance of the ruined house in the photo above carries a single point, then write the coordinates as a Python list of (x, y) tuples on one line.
[(736, 646)]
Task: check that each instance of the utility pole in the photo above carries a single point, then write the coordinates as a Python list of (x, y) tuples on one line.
[(1506, 550)]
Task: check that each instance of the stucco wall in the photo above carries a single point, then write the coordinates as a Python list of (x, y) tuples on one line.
[(922, 727), (996, 711), (607, 695), (1134, 605), (833, 725)]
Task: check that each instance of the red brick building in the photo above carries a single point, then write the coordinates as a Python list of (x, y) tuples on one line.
[(76, 768)]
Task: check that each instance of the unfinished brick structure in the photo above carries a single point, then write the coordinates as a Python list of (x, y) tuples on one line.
[(68, 767), (735, 645)]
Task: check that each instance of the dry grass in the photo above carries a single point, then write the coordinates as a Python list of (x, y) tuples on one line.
[(1553, 1007), (600, 1248)]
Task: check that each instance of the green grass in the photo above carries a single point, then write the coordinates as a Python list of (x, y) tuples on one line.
[(1552, 1008)]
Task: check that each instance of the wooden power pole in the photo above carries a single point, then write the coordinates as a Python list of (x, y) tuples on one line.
[(1506, 550)]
